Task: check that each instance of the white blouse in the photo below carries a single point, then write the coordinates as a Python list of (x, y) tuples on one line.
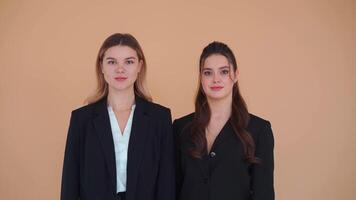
[(121, 143)]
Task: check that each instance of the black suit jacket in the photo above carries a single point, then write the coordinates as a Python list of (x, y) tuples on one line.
[(89, 169), (223, 174)]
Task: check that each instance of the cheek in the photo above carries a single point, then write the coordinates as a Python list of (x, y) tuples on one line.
[(204, 82), (132, 73), (133, 70), (106, 70), (229, 84), (228, 80), (108, 74)]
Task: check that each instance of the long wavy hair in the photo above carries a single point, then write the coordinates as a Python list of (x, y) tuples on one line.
[(119, 39), (239, 114)]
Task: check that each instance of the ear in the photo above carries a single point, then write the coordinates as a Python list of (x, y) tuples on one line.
[(101, 68), (140, 63), (237, 75)]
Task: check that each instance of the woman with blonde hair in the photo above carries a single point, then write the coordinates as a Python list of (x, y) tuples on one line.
[(120, 145)]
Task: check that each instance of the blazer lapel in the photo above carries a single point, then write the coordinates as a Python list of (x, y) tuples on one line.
[(139, 132), (226, 133), (207, 166), (103, 129)]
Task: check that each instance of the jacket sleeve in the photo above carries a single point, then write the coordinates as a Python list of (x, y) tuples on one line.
[(166, 174), (70, 174), (262, 173)]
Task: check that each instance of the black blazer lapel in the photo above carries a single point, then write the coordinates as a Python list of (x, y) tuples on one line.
[(207, 167), (139, 132), (226, 134), (103, 129)]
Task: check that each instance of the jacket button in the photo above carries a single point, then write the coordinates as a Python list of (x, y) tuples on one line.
[(212, 154), (206, 180)]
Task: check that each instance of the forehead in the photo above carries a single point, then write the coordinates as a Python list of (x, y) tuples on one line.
[(216, 61), (120, 52)]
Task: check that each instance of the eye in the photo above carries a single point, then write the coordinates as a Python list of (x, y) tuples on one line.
[(129, 62), (111, 62), (225, 72), (207, 73)]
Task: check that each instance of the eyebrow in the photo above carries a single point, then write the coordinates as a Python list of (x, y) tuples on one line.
[(223, 67), (130, 58), (111, 58)]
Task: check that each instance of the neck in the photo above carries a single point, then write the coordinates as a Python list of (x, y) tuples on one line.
[(220, 108), (121, 100)]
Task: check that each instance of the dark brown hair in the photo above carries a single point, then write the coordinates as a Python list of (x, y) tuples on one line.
[(120, 39), (239, 114)]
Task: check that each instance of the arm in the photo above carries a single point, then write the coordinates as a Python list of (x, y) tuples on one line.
[(262, 173), (166, 176), (70, 175)]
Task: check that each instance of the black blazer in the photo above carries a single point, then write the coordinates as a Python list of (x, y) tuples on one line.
[(223, 174), (89, 169)]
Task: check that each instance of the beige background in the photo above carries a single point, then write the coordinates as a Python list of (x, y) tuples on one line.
[(297, 63)]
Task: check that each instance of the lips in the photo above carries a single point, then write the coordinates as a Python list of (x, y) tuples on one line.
[(120, 78), (216, 88)]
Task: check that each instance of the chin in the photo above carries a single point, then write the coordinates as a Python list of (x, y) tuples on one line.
[(217, 95), (120, 87)]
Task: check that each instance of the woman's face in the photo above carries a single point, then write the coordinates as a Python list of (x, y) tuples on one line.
[(217, 77), (120, 67)]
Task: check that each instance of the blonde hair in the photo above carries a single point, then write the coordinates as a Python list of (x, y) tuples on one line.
[(121, 39)]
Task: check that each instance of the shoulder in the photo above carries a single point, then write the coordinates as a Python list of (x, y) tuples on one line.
[(85, 111), (180, 124), (257, 122), (156, 110), (83, 115), (184, 120), (259, 127)]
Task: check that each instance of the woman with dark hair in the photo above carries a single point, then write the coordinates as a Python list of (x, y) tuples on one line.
[(120, 145), (223, 152)]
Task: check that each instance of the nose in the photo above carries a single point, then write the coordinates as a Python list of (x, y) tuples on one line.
[(119, 68), (216, 78)]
